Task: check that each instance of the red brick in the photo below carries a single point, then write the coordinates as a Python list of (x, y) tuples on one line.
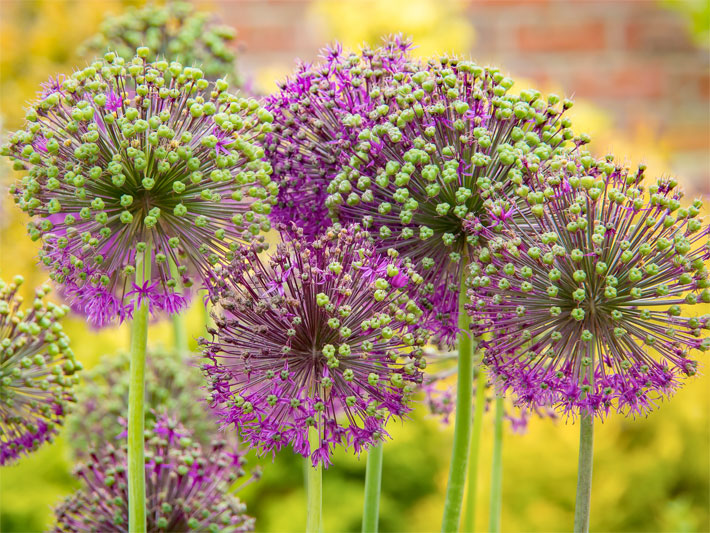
[(668, 35), (258, 39), (573, 37), (631, 82)]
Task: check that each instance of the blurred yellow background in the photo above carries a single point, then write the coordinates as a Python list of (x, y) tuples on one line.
[(650, 474)]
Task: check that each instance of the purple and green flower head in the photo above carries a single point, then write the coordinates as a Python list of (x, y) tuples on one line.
[(322, 336), (188, 487), (449, 137), (37, 371), (134, 158), (175, 31), (594, 305), (312, 130)]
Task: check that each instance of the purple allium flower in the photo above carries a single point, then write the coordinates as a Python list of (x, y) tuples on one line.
[(173, 384), (37, 371), (133, 154), (441, 399), (589, 310), (336, 347), (314, 113), (188, 487), (448, 137)]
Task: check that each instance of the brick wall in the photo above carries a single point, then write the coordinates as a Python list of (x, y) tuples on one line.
[(633, 58)]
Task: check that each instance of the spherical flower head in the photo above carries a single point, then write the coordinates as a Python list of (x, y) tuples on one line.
[(37, 371), (316, 114), (322, 336), (188, 486), (594, 309), (175, 31), (140, 160), (173, 384), (450, 135)]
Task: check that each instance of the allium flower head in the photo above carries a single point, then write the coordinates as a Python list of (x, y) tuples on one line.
[(37, 371), (140, 156), (188, 487), (175, 32), (322, 335), (173, 384), (315, 114), (593, 309), (449, 136)]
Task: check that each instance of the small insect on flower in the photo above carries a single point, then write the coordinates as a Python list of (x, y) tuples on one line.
[(449, 136), (592, 310), (188, 487), (175, 31), (137, 156), (323, 335), (37, 371), (316, 112), (173, 384)]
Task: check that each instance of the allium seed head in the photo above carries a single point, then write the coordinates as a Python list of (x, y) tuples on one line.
[(450, 136), (173, 384), (137, 156), (316, 116), (323, 335), (590, 307), (37, 371), (175, 32), (188, 487)]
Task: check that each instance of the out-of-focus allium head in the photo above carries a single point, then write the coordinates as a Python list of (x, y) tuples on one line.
[(188, 486), (125, 156), (450, 136), (37, 371), (322, 335), (175, 32), (441, 397), (593, 310), (316, 112), (173, 384)]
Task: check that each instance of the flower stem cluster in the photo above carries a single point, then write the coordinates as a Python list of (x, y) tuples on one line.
[(133, 157), (37, 371), (322, 336)]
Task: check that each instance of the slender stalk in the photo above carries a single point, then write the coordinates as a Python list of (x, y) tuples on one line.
[(473, 458), (497, 470), (179, 326), (584, 474), (136, 403), (314, 488), (463, 422), (373, 482)]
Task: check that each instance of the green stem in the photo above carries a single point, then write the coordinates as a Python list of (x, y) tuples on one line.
[(136, 404), (373, 482), (463, 422), (179, 326), (497, 470), (584, 474), (478, 415), (314, 488)]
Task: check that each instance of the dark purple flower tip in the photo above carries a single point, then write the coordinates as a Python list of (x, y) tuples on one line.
[(125, 156), (316, 117), (37, 371), (321, 336), (589, 301), (189, 487)]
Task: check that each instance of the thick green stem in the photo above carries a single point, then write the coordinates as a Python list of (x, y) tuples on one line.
[(497, 470), (136, 403), (584, 474), (314, 488), (463, 421), (373, 482), (473, 458)]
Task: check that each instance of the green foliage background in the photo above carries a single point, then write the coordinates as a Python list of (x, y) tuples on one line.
[(651, 474)]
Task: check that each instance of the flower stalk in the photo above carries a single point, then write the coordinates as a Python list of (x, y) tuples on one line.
[(373, 484), (314, 487), (497, 469), (480, 407)]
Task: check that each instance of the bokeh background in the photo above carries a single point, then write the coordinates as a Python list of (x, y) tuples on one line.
[(639, 72)]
